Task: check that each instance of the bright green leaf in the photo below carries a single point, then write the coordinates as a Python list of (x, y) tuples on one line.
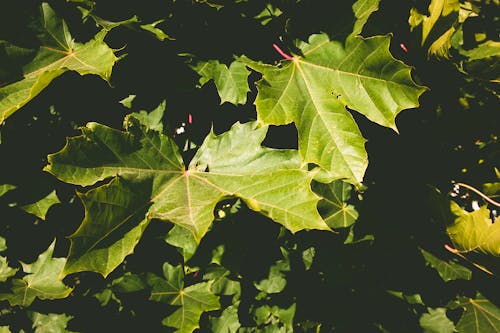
[(315, 89), (192, 301), (221, 283), (448, 270), (4, 188), (57, 54), (480, 315), (184, 240), (49, 323), (5, 271), (268, 14), (363, 9), (42, 280), (474, 231), (152, 182), (5, 329), (153, 119), (3, 244), (333, 205), (157, 32), (436, 321), (127, 101), (227, 322), (231, 83), (308, 257), (41, 207)]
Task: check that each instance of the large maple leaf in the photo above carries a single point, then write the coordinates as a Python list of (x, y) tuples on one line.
[(151, 181), (315, 90)]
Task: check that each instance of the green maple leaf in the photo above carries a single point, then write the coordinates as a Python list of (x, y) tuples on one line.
[(362, 10), (474, 231), (41, 207), (315, 89), (437, 28), (192, 300), (333, 206), (436, 321), (58, 53), (447, 270), (227, 322), (42, 280), (151, 181), (231, 83), (480, 315), (49, 323), (4, 188), (5, 270)]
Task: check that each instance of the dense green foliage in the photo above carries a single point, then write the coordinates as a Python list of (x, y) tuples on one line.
[(249, 166)]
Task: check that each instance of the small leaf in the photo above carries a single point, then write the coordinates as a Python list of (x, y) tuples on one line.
[(333, 206), (192, 301), (3, 244), (268, 14), (5, 270), (448, 270), (474, 231), (275, 282), (5, 329), (231, 83), (184, 240), (363, 9), (128, 283), (127, 101), (227, 322), (57, 54), (49, 323), (42, 280), (480, 315), (4, 188), (436, 321), (316, 89), (41, 207)]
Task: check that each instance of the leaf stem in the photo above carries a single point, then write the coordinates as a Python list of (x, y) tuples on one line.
[(456, 252), (481, 194), (283, 54)]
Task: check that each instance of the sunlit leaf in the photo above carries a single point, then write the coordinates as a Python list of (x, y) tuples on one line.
[(42, 280), (480, 315), (58, 53), (184, 240), (3, 244), (191, 301), (41, 207), (5, 270), (150, 181), (333, 205), (231, 83), (315, 89), (448, 270), (474, 231), (362, 10), (227, 322), (275, 282), (4, 188), (436, 321), (437, 28), (50, 323)]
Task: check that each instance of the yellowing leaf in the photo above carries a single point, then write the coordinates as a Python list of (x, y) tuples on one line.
[(58, 53), (151, 181), (316, 89), (474, 231)]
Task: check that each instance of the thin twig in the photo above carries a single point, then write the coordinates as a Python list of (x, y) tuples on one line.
[(484, 196)]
